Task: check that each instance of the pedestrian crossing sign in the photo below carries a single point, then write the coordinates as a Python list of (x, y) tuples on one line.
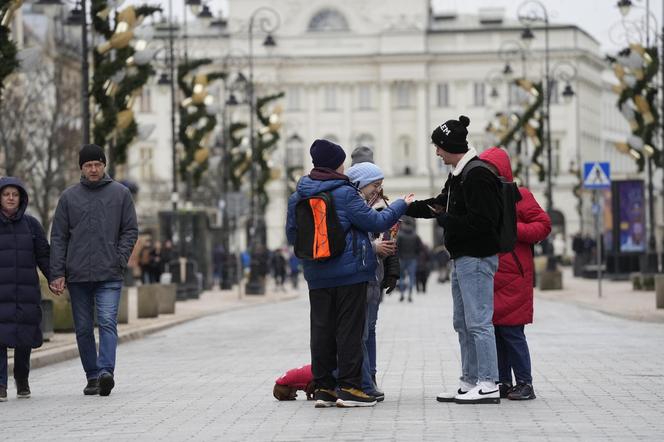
[(596, 175)]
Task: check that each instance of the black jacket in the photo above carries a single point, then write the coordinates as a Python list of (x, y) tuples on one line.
[(23, 248), (472, 216)]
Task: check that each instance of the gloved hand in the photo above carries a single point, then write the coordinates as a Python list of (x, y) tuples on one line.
[(389, 283)]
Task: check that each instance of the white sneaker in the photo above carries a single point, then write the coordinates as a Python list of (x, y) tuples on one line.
[(448, 396), (483, 393)]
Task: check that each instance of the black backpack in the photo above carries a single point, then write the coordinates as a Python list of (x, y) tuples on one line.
[(509, 196), (320, 235)]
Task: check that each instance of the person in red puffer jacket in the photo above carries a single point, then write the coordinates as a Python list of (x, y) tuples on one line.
[(513, 287)]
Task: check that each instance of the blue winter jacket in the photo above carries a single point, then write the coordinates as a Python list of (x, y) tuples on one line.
[(23, 248), (353, 266)]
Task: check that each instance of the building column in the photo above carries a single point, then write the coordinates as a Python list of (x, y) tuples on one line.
[(346, 91), (383, 154), (312, 124), (423, 130)]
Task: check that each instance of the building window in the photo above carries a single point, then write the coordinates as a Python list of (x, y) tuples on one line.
[(404, 156), (403, 92), (145, 101), (293, 98), (443, 94), (147, 172), (479, 97), (364, 96), (330, 97), (327, 20)]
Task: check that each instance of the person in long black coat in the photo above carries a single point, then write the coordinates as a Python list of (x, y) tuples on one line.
[(23, 248)]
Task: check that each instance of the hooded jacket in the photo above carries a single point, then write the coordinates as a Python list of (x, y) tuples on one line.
[(472, 210), (23, 248), (94, 232), (358, 261), (513, 282)]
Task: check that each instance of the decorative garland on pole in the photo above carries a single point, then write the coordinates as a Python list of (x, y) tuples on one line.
[(120, 72), (197, 119), (267, 138), (636, 68), (8, 50)]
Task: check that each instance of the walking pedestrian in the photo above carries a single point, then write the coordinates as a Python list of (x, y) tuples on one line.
[(408, 249), (468, 208), (145, 261), (369, 179), (294, 264), (513, 287), (423, 268), (337, 286), (23, 248), (279, 268), (94, 231)]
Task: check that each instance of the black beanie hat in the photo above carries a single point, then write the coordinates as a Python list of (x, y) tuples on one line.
[(451, 135), (325, 153), (91, 152)]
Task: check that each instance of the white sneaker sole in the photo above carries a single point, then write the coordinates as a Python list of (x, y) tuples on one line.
[(23, 396), (3, 399), (484, 400), (324, 404), (353, 404)]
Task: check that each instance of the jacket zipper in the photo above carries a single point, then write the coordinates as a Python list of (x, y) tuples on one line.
[(518, 263)]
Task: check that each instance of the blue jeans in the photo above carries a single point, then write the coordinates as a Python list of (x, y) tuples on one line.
[(369, 337), (408, 268), (21, 363), (513, 354), (105, 296), (472, 295)]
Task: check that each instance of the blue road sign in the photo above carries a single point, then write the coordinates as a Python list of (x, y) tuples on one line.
[(596, 175)]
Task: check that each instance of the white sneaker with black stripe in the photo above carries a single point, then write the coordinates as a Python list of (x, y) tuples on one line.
[(483, 393), (448, 396)]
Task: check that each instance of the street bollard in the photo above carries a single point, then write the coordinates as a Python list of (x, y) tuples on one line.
[(148, 301), (659, 290), (167, 295)]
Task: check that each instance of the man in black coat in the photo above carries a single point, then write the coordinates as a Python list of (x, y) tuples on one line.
[(469, 210), (93, 235)]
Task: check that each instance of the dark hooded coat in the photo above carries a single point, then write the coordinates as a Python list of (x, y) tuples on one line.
[(23, 248)]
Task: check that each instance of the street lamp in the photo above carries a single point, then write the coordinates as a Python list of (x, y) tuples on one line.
[(78, 17), (268, 20)]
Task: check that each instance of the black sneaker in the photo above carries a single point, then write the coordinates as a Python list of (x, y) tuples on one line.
[(375, 392), (22, 388), (106, 384), (92, 388), (504, 390), (325, 398), (352, 397), (3, 393), (522, 392)]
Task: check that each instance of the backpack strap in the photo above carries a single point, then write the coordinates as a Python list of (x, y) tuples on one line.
[(474, 164)]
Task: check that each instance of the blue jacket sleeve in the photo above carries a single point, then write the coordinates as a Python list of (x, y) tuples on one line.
[(366, 219), (291, 227)]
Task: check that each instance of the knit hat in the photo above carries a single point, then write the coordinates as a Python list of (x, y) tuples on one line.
[(91, 152), (363, 174), (325, 153), (451, 135), (361, 154)]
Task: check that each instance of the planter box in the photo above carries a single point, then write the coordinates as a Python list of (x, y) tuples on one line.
[(148, 301), (659, 290), (167, 295), (123, 308), (47, 319)]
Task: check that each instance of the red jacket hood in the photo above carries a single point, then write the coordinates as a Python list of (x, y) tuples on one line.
[(499, 159)]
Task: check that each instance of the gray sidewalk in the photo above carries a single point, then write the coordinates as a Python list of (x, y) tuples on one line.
[(618, 298), (62, 346), (597, 377)]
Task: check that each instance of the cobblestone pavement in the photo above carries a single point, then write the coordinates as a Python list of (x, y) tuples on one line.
[(597, 377)]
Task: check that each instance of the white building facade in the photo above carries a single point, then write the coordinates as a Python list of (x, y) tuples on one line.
[(384, 74)]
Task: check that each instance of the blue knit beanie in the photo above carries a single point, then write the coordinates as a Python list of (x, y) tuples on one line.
[(327, 154), (363, 174)]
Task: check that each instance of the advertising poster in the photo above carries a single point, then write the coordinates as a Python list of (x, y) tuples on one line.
[(631, 216)]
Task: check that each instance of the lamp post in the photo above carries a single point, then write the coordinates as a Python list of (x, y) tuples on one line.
[(268, 20), (78, 17), (649, 262)]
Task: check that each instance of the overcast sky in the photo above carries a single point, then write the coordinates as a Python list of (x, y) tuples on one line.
[(594, 16)]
